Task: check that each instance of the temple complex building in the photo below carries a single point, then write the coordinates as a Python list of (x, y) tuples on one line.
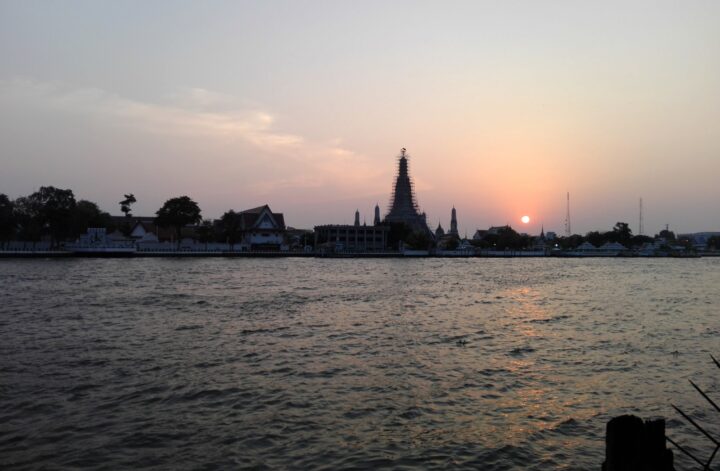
[(363, 238), (262, 229), (351, 238)]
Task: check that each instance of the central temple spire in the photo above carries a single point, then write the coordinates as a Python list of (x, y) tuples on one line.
[(403, 206), (403, 200), (453, 223)]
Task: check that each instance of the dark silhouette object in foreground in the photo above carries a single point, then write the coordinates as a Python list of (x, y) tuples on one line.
[(634, 445), (705, 465)]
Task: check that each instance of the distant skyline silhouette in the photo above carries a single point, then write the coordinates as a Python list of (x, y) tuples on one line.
[(504, 108)]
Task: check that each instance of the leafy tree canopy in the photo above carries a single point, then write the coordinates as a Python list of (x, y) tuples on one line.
[(571, 242), (452, 243), (53, 207), (230, 227), (638, 240), (418, 240), (178, 212), (622, 232), (508, 238), (27, 216), (667, 235), (596, 238), (206, 231), (8, 222), (87, 214)]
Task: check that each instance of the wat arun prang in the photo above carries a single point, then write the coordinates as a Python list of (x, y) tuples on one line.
[(403, 206)]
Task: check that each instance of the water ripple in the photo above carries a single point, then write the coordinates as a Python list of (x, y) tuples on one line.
[(345, 364)]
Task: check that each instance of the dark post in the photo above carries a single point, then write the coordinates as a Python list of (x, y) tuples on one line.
[(634, 445)]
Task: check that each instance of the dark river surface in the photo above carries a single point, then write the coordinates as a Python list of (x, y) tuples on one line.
[(348, 363)]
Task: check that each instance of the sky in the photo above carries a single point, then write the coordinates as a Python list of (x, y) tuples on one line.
[(504, 107)]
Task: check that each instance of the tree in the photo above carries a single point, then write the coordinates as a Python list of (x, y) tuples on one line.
[(505, 238), (27, 217), (477, 243), (571, 242), (8, 223), (525, 241), (126, 203), (639, 240), (418, 240), (508, 238), (307, 239), (489, 241), (177, 213), (621, 233), (399, 231), (667, 235), (452, 243), (206, 232), (54, 207), (87, 214), (230, 225), (596, 238)]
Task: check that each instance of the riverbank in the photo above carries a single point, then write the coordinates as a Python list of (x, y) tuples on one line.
[(282, 254)]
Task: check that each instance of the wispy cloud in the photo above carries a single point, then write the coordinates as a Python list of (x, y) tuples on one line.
[(190, 116), (197, 113)]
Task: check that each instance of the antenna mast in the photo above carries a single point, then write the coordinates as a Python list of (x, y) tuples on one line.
[(568, 230)]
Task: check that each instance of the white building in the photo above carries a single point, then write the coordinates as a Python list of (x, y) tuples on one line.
[(262, 229)]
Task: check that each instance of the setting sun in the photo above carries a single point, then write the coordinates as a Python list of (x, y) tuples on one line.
[(525, 219)]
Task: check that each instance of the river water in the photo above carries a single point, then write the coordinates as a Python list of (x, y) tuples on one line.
[(347, 363)]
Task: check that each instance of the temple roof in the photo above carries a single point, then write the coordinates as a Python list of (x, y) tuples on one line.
[(251, 218)]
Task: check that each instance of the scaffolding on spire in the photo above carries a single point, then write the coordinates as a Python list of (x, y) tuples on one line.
[(403, 206)]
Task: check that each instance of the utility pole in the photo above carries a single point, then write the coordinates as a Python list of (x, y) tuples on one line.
[(641, 228), (568, 230)]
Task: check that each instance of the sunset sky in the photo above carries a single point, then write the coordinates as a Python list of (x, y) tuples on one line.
[(304, 105)]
